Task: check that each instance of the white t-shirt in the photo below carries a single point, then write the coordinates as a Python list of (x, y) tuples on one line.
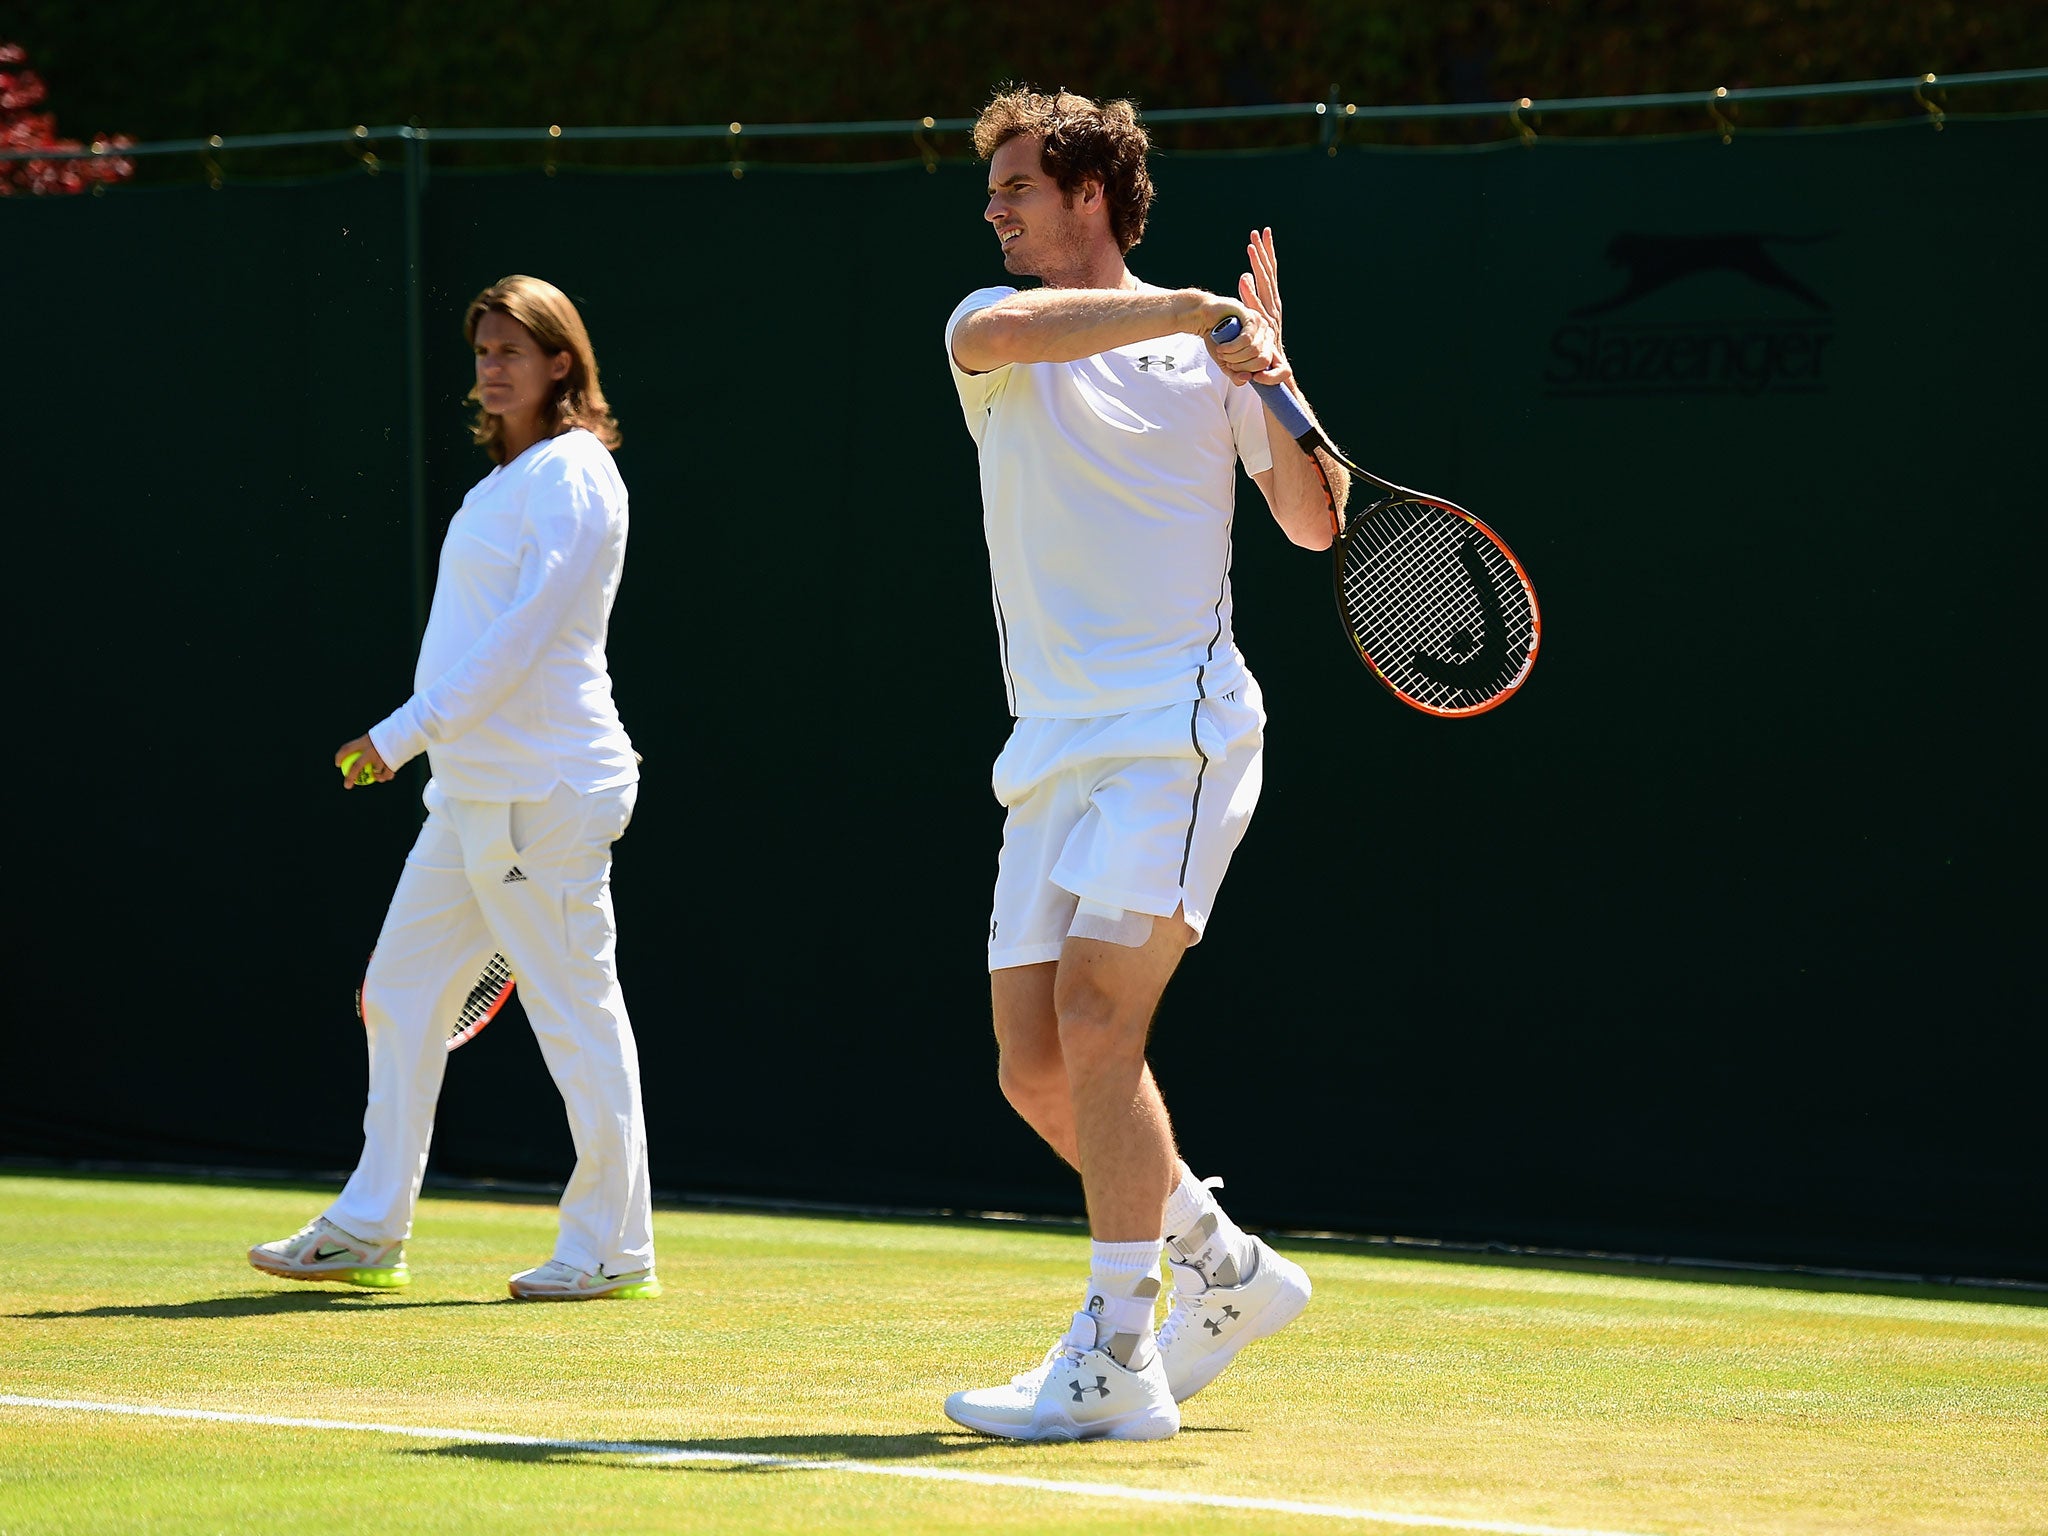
[(1107, 487), (512, 695)]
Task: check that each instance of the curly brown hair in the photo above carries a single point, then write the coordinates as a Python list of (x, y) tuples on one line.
[(551, 318), (1084, 140)]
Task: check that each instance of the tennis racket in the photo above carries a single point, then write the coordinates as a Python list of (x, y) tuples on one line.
[(486, 996), (1435, 604)]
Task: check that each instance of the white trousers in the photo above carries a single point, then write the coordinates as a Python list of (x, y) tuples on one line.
[(456, 902)]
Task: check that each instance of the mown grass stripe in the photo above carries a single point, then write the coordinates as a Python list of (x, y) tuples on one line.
[(675, 1454)]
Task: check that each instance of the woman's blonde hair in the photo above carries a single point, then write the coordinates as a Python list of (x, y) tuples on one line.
[(551, 319)]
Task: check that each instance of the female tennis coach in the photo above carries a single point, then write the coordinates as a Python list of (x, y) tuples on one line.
[(533, 779)]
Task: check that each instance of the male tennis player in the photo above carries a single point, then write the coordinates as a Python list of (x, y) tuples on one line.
[(1110, 429), (533, 780)]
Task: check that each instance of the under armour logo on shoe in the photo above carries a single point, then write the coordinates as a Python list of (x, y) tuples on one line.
[(513, 876), (1215, 1325), (1101, 1386)]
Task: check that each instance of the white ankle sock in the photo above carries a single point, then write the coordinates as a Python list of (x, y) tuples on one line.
[(1224, 1255), (1116, 1268), (1189, 1202), (1122, 1287)]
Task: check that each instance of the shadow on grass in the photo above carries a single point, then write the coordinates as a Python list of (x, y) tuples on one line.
[(783, 1448), (762, 1453), (1681, 1271), (263, 1304)]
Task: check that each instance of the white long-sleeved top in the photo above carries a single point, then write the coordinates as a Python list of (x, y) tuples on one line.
[(512, 695)]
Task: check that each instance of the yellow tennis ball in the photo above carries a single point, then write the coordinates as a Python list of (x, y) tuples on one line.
[(348, 765)]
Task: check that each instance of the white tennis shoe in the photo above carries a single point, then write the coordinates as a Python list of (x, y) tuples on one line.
[(1080, 1391), (322, 1251), (1211, 1322), (556, 1281)]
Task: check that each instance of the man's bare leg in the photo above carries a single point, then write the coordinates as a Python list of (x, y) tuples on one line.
[(1072, 1037), (1105, 995), (1030, 1068), (1033, 1070)]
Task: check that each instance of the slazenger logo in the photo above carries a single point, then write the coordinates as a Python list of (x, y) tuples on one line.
[(1740, 355), (1152, 362)]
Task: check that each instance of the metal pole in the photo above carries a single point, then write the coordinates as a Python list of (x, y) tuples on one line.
[(415, 382), (1327, 110)]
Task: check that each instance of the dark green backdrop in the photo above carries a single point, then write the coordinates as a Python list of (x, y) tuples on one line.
[(1721, 940)]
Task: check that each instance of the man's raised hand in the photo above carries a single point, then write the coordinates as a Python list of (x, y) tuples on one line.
[(1261, 285), (1259, 291)]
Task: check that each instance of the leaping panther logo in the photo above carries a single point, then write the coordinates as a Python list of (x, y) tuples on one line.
[(1657, 261)]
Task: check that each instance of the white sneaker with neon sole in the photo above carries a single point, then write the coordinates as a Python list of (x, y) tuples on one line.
[(1210, 1323), (322, 1251), (556, 1281), (1080, 1391)]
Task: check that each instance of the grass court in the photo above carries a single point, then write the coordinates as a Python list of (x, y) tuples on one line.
[(1494, 1394)]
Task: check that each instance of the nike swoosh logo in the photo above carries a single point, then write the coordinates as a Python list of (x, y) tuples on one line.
[(323, 1253), (1490, 659)]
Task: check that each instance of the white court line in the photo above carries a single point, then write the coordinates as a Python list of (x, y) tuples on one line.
[(656, 1454)]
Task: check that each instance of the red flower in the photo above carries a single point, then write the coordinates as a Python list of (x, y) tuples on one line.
[(22, 88)]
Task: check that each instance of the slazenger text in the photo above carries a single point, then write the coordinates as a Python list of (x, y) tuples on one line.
[(1688, 358)]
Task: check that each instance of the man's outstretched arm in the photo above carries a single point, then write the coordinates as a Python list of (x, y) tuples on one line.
[(1059, 325)]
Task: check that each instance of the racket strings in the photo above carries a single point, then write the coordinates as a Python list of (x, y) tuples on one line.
[(1418, 615), (485, 996)]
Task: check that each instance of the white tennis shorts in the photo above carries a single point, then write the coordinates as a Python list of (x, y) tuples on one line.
[(1140, 811)]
